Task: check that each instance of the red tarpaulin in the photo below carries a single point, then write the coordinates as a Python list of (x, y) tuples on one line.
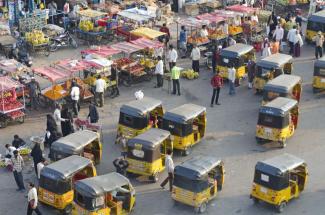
[(103, 51), (72, 65), (226, 13), (51, 73), (146, 43), (212, 18), (7, 83), (241, 9), (127, 47)]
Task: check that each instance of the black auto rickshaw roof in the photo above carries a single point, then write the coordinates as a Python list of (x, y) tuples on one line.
[(278, 106), (236, 50), (282, 84), (184, 113), (97, 186), (150, 139), (139, 108), (64, 168), (278, 165), (320, 62), (275, 61), (196, 167), (318, 17), (75, 142)]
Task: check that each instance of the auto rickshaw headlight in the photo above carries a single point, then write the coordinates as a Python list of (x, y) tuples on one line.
[(254, 187)]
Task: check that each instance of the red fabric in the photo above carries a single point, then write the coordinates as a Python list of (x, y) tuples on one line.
[(165, 30), (216, 81)]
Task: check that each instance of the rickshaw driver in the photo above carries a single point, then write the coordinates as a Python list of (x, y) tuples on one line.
[(119, 195)]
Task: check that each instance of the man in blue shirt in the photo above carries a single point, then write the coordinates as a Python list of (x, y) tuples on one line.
[(183, 42)]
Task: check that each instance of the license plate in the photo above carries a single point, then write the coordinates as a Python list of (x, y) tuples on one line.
[(322, 80), (268, 131), (48, 197), (263, 190)]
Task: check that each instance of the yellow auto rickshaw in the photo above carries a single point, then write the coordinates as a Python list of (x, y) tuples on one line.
[(319, 75), (277, 120), (138, 116), (278, 180), (270, 67), (197, 181), (57, 181), (187, 124), (289, 86), (237, 56), (106, 194), (316, 23), (84, 143), (147, 152)]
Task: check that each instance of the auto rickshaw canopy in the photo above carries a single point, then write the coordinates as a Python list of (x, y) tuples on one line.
[(149, 139), (283, 83), (278, 165), (75, 142), (197, 167), (275, 61), (278, 106), (236, 51), (139, 108), (65, 168), (318, 17), (96, 186), (184, 113)]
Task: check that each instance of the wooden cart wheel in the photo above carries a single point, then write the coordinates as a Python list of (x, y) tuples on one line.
[(3, 123), (21, 119)]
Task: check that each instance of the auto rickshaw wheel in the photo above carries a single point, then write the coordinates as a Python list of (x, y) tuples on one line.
[(67, 210), (283, 144), (255, 200), (3, 123), (202, 208), (186, 152), (315, 90), (280, 208), (259, 140), (154, 178)]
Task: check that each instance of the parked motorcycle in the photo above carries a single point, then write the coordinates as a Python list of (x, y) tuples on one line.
[(63, 40), (21, 55)]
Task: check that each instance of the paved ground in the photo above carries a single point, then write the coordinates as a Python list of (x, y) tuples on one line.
[(230, 136)]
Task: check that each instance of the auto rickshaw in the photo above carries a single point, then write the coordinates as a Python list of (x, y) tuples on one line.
[(197, 181), (277, 120), (187, 124), (57, 180), (106, 194), (289, 86), (138, 116), (270, 67), (319, 75), (316, 23), (84, 143), (278, 180), (146, 152), (236, 55)]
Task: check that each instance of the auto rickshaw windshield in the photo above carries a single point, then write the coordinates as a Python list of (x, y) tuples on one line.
[(134, 122), (178, 129), (273, 121), (89, 203), (273, 182), (227, 62), (315, 26), (143, 154), (196, 186), (56, 186)]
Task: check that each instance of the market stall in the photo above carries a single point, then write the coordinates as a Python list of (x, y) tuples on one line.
[(11, 110), (147, 33), (233, 20), (38, 42), (102, 51)]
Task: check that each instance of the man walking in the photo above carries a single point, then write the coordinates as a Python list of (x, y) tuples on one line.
[(183, 42), (216, 83), (278, 34), (18, 164), (172, 56), (319, 40), (251, 73), (57, 117), (18, 142), (291, 38), (175, 78), (121, 164), (196, 55), (169, 165), (34, 91), (32, 200), (232, 78), (75, 95), (159, 71), (100, 88)]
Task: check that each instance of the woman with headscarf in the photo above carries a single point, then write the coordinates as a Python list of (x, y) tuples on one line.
[(298, 42), (67, 126), (52, 133), (37, 155), (266, 51)]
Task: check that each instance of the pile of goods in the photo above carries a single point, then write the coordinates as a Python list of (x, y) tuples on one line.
[(24, 151), (136, 70), (197, 40), (234, 30), (86, 25), (4, 29), (257, 38), (16, 114), (3, 164), (189, 74), (148, 63), (217, 35), (123, 63), (8, 104), (36, 37)]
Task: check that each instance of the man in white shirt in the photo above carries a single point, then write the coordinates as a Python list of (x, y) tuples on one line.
[(172, 56), (204, 32), (57, 117), (169, 165), (291, 38), (39, 167), (32, 200), (159, 72), (100, 89), (232, 78), (278, 33), (75, 95), (196, 55)]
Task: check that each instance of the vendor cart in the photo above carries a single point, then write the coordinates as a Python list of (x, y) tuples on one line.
[(11, 110)]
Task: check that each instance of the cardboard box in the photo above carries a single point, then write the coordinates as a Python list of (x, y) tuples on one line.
[(191, 9)]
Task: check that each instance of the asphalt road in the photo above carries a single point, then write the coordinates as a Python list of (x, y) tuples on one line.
[(230, 136)]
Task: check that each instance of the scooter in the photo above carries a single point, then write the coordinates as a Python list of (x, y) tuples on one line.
[(63, 40)]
